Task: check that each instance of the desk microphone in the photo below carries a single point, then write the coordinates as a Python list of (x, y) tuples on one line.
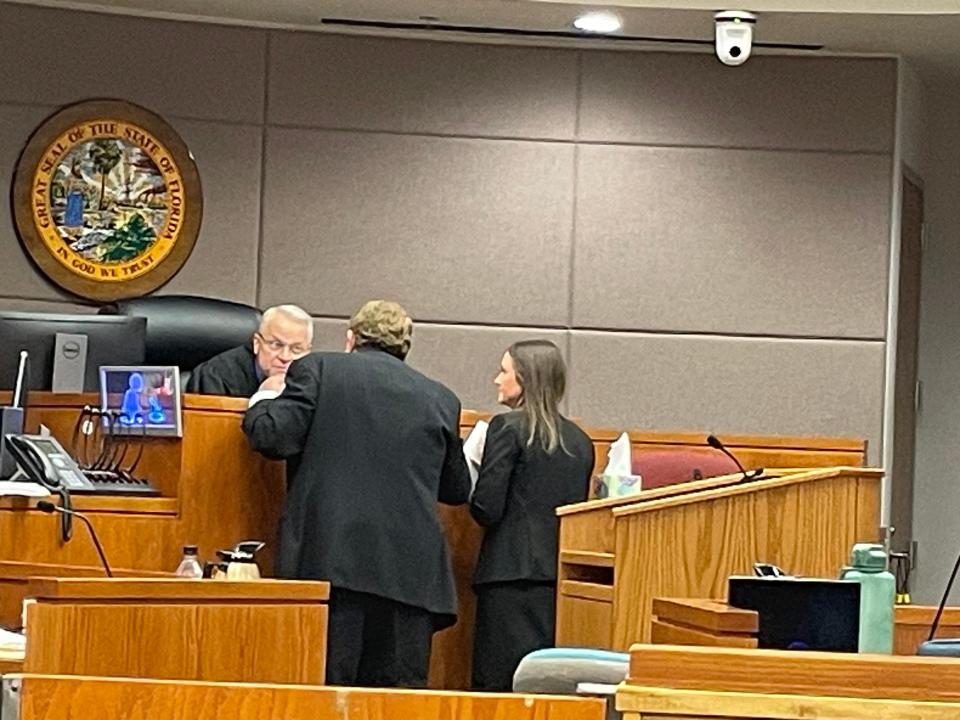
[(714, 442), (48, 507)]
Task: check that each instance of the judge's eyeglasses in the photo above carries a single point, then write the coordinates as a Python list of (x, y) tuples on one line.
[(277, 347)]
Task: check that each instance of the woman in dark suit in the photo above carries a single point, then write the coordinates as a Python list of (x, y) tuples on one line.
[(534, 461)]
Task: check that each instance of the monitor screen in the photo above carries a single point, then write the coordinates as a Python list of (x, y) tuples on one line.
[(801, 613), (145, 400), (111, 340)]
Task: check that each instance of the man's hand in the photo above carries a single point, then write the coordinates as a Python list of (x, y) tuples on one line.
[(269, 389), (273, 383)]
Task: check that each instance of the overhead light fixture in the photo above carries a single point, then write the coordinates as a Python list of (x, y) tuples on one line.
[(598, 22)]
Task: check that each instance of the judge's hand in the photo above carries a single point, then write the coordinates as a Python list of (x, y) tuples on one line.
[(274, 383)]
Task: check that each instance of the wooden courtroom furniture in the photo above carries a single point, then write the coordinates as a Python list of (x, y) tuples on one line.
[(617, 555), (45, 697), (668, 682), (11, 661), (216, 491), (261, 631), (450, 664), (693, 621), (753, 451)]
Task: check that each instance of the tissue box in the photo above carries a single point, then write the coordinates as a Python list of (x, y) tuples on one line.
[(616, 485)]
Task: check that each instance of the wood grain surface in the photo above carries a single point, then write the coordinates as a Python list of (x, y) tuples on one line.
[(889, 677), (644, 703), (53, 698)]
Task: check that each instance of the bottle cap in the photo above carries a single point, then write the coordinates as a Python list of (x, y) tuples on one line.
[(868, 557), (189, 549)]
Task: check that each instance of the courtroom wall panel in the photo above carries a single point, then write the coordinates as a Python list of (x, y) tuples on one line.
[(224, 260), (44, 306), (224, 88), (732, 241), (18, 279), (504, 192), (936, 490), (842, 104), (462, 357), (729, 384), (330, 334), (468, 358), (455, 229), (174, 68), (422, 87)]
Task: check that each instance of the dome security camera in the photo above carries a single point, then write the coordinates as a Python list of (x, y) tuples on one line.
[(734, 36)]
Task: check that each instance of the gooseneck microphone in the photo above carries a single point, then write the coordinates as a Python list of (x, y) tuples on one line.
[(48, 507), (714, 442)]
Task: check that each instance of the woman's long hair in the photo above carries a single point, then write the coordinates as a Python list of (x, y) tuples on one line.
[(542, 375)]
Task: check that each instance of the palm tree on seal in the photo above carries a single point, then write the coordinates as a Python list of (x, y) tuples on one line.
[(104, 155)]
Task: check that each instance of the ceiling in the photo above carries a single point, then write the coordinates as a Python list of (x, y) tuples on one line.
[(926, 33)]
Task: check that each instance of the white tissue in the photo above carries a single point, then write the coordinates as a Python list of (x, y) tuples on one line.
[(619, 457), (618, 478)]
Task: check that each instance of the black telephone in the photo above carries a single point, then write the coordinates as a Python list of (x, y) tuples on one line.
[(43, 460)]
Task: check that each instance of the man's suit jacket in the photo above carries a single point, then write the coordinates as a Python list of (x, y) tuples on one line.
[(518, 489), (376, 445)]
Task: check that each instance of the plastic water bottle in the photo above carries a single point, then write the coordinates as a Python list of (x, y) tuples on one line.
[(189, 566), (868, 566)]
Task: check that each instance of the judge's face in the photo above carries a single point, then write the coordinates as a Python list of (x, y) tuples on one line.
[(279, 343), (509, 391)]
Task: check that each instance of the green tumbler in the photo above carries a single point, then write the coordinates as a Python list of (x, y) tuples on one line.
[(868, 566)]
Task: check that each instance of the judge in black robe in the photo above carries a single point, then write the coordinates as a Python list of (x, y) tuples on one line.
[(285, 334), (233, 373), (376, 446)]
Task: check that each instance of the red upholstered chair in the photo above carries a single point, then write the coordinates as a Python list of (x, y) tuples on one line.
[(669, 467)]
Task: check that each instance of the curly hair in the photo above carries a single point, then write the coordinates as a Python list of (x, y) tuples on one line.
[(383, 324)]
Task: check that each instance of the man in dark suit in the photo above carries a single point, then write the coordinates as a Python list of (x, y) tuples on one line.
[(375, 445)]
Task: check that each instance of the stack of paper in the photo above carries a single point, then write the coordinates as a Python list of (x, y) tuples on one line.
[(473, 450), (22, 489), (12, 641)]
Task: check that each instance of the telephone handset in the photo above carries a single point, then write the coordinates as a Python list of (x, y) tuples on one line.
[(43, 460)]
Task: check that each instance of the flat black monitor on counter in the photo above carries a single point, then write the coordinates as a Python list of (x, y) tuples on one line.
[(111, 340), (801, 613)]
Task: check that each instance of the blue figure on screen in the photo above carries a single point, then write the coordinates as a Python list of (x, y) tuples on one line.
[(156, 415), (130, 413)]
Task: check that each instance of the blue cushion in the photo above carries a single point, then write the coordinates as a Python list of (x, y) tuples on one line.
[(940, 648), (560, 670)]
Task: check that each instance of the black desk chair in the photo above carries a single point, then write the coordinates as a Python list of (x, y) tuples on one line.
[(186, 330)]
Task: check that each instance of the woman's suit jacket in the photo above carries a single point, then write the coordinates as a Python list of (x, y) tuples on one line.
[(518, 489)]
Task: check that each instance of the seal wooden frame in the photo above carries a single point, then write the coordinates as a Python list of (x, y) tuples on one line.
[(33, 153)]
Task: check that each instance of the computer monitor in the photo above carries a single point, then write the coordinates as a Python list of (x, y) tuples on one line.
[(111, 340), (801, 613)]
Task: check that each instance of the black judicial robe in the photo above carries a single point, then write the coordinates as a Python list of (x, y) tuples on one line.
[(375, 445), (232, 373)]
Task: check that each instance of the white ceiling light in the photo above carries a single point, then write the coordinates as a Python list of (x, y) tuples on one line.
[(597, 22)]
